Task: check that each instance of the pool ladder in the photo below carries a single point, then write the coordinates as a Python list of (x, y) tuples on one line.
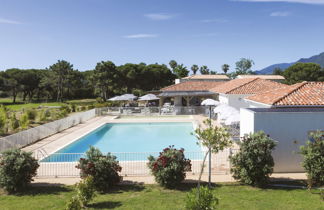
[(42, 152)]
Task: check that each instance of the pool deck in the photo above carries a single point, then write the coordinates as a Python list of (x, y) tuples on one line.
[(218, 178)]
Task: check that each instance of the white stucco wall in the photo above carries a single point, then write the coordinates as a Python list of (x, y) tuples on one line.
[(290, 129), (235, 100)]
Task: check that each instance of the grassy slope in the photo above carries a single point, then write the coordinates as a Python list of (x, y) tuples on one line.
[(154, 197)]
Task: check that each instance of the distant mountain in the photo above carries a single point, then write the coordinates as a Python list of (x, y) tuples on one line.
[(319, 59)]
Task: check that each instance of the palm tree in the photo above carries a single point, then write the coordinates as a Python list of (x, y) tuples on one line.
[(194, 69), (225, 68)]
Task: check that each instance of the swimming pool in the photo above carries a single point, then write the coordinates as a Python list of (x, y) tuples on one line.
[(131, 141)]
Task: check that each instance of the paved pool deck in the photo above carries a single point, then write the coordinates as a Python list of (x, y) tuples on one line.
[(150, 179)]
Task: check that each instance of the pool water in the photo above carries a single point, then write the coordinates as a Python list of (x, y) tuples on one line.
[(131, 141)]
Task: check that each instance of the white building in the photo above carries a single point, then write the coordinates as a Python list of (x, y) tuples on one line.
[(288, 115)]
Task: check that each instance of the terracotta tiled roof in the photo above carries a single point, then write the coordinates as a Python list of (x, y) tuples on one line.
[(247, 86), (208, 76), (192, 86), (300, 94), (271, 77)]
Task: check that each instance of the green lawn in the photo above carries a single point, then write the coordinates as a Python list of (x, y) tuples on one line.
[(231, 196)]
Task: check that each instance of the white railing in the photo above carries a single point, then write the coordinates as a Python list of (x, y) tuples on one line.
[(146, 111), (32, 135), (132, 163)]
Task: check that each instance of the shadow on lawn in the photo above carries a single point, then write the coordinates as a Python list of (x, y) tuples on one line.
[(127, 187), (105, 205), (45, 189)]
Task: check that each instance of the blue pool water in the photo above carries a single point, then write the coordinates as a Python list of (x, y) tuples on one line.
[(132, 141)]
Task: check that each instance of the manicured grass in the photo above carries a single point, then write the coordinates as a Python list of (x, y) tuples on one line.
[(231, 196), (17, 107)]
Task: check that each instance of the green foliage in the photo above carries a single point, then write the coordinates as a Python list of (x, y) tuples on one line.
[(300, 72), (204, 70), (24, 121), (313, 162), (170, 168), (215, 137), (65, 108), (14, 123), (3, 119), (225, 68), (253, 164), (243, 66), (103, 168), (74, 204), (73, 107), (194, 68), (31, 114), (17, 168), (201, 199), (85, 190), (44, 115)]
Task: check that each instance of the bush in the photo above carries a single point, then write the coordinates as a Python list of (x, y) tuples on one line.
[(253, 164), (90, 107), (201, 199), (14, 123), (313, 162), (3, 119), (44, 115), (74, 204), (104, 169), (31, 114), (73, 108), (17, 168), (169, 169), (85, 190), (24, 121), (65, 108)]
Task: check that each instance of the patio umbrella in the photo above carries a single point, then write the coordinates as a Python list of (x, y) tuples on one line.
[(148, 97), (116, 98), (210, 102), (233, 119), (127, 97), (225, 111)]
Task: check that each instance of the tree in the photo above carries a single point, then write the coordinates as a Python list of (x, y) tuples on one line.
[(173, 64), (303, 72), (61, 71), (105, 77), (11, 82), (204, 70), (225, 68), (215, 138), (181, 71), (194, 69), (277, 71), (244, 66)]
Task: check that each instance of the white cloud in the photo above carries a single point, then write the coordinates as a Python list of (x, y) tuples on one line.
[(7, 21), (289, 1), (140, 36), (280, 14), (216, 20), (159, 16)]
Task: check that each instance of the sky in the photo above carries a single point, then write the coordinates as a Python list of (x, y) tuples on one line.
[(37, 33)]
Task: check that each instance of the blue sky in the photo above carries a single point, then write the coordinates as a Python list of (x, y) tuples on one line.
[(36, 33)]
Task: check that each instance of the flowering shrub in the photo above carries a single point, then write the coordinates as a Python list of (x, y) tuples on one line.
[(17, 169), (313, 161), (103, 168), (169, 169), (253, 164)]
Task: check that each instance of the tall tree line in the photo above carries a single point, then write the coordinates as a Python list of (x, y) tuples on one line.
[(61, 81)]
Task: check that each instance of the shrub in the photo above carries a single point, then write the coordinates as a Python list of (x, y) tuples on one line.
[(74, 204), (169, 169), (17, 168), (3, 119), (24, 121), (201, 199), (91, 107), (313, 162), (65, 108), (253, 164), (14, 123), (103, 168), (85, 190), (44, 115), (31, 114), (73, 108)]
